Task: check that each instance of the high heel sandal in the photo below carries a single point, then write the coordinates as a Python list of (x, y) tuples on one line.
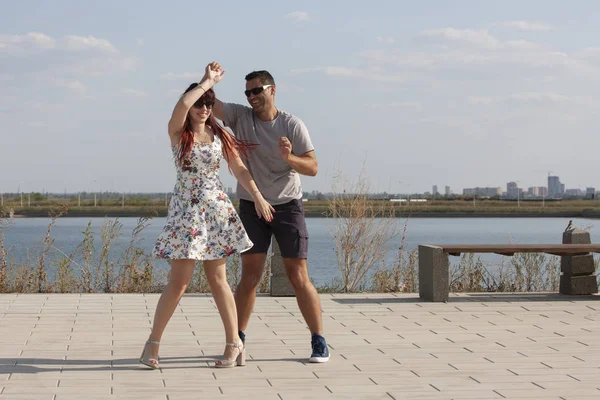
[(149, 361), (238, 359)]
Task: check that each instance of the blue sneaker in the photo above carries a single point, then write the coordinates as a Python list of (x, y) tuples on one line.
[(320, 351)]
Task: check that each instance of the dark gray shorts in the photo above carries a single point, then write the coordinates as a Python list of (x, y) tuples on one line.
[(288, 226)]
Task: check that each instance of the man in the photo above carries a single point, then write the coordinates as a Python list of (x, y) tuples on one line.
[(284, 152)]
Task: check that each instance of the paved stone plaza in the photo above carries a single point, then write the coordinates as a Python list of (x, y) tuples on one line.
[(384, 346)]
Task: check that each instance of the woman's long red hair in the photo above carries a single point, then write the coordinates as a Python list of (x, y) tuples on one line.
[(232, 146)]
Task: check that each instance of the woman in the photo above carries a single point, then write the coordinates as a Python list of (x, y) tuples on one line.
[(202, 224)]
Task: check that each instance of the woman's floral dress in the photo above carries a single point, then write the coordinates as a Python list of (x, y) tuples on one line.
[(202, 224)]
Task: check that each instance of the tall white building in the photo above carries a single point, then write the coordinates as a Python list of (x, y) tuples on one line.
[(483, 191), (512, 190), (555, 188), (590, 193)]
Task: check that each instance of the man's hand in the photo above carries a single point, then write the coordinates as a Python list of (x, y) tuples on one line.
[(285, 148)]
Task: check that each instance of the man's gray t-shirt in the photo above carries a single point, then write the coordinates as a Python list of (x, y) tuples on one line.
[(277, 181)]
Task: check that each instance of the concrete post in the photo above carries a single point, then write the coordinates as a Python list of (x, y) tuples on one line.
[(578, 271), (434, 280)]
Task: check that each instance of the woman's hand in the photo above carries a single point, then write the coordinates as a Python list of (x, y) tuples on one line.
[(214, 72), (263, 208)]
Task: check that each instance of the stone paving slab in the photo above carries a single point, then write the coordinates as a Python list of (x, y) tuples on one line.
[(384, 346)]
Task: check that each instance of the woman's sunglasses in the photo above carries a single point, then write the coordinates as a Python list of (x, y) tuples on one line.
[(256, 91), (200, 104)]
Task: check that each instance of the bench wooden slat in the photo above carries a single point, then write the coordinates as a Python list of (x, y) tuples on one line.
[(511, 249)]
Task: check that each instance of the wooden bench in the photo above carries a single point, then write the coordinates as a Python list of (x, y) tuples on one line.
[(434, 282)]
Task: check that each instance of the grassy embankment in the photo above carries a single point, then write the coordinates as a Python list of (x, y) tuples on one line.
[(319, 208)]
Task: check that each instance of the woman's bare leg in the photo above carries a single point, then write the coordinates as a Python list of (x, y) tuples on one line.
[(217, 279), (181, 275)]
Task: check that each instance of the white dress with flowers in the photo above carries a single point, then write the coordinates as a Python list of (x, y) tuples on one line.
[(202, 224)]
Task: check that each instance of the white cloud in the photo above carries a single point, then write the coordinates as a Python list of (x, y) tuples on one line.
[(172, 76), (591, 54), (36, 124), (134, 92), (70, 55), (480, 100), (526, 26), (174, 92), (532, 96), (330, 70), (520, 97), (375, 73), (298, 16), (463, 55), (45, 107), (73, 85), (40, 41), (413, 105), (88, 43), (76, 86), (286, 87), (101, 65), (388, 40), (140, 42), (478, 54), (478, 38), (28, 40)]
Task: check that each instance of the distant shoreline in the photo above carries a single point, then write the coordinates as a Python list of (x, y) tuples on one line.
[(456, 208), (116, 213)]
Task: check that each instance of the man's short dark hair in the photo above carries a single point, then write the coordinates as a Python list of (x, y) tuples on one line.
[(265, 77)]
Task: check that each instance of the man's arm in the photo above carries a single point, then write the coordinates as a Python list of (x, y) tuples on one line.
[(304, 164), (229, 113), (218, 109)]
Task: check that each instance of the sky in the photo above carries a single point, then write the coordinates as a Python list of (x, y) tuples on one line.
[(414, 94)]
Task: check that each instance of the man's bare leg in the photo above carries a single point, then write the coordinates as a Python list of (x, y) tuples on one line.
[(306, 294)]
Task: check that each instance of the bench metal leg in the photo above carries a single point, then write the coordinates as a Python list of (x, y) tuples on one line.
[(434, 278)]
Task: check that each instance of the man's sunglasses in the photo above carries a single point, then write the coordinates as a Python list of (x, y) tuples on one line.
[(256, 91), (208, 104)]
